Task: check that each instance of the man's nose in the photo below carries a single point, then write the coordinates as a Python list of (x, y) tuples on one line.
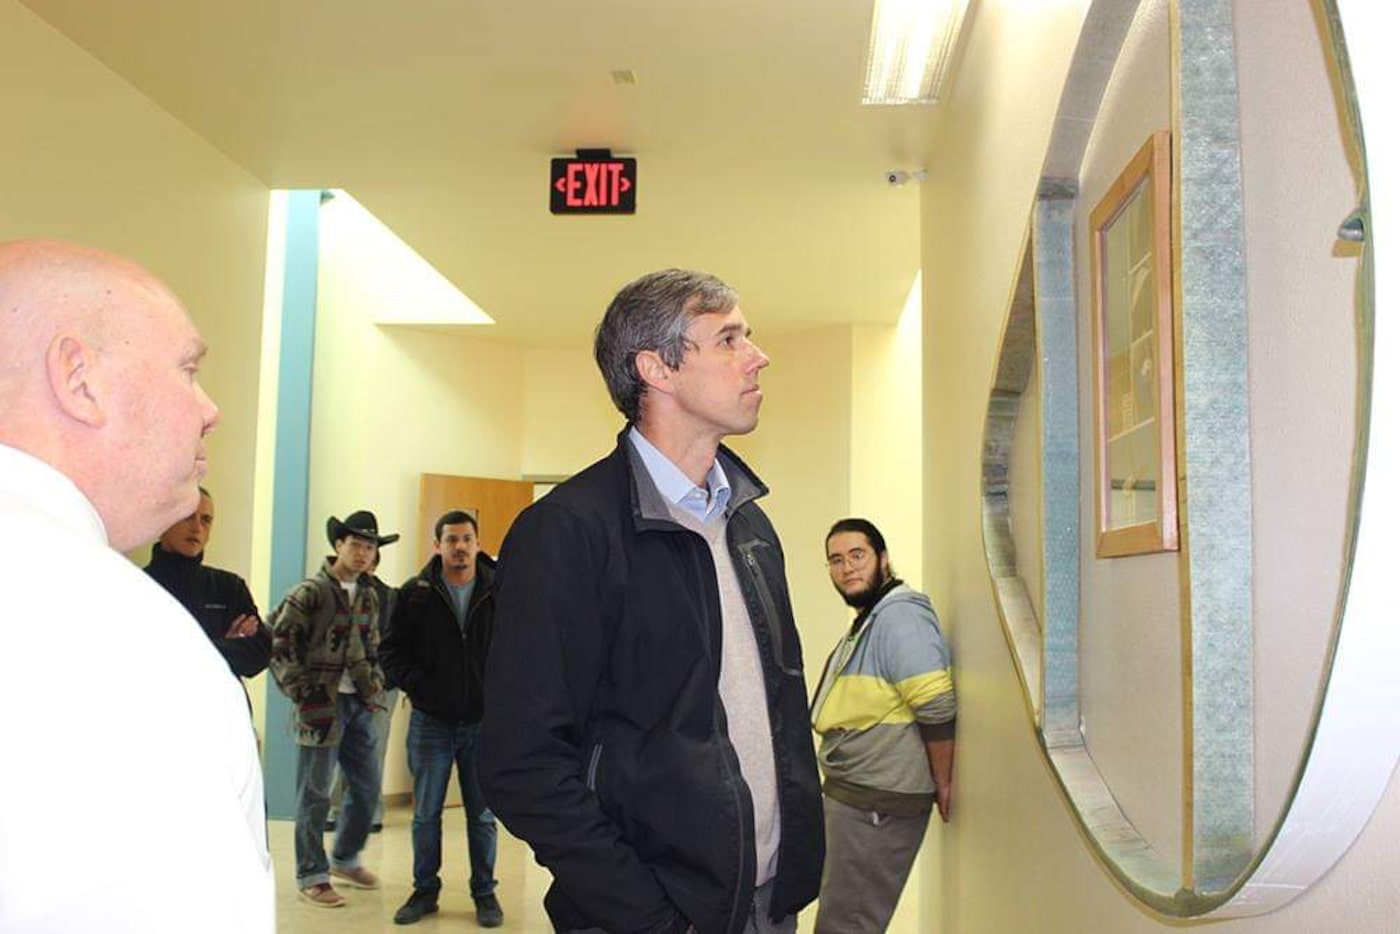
[(209, 409), (760, 358)]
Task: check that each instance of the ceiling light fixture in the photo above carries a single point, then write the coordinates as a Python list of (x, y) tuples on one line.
[(911, 50)]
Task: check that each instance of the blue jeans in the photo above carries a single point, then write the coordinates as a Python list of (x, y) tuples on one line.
[(381, 748), (356, 756), (433, 746)]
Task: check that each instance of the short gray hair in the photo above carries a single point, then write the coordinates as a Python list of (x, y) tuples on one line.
[(653, 313)]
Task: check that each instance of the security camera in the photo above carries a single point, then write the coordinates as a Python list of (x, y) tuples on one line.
[(898, 177)]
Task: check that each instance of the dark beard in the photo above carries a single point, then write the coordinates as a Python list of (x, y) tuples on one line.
[(864, 598), (870, 594)]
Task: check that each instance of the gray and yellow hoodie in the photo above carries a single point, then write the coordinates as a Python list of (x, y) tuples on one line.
[(891, 674)]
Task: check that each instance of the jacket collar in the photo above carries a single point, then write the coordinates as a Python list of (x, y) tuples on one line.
[(649, 508), (485, 571), (334, 582), (165, 558)]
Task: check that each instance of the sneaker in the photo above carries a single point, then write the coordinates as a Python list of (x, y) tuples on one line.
[(420, 903), (321, 895), (357, 878), (488, 912)]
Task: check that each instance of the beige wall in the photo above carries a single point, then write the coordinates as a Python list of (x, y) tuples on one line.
[(91, 159), (1010, 860), (801, 449), (569, 420), (391, 403), (886, 421), (1013, 860), (86, 157)]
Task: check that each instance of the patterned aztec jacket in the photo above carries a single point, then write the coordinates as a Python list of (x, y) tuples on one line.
[(316, 634), (889, 676)]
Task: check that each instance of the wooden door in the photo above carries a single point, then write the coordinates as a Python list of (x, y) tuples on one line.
[(495, 503)]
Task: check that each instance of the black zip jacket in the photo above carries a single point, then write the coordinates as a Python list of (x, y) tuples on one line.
[(604, 743), (215, 598), (425, 653)]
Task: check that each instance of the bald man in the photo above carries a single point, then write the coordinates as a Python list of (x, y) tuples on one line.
[(131, 796)]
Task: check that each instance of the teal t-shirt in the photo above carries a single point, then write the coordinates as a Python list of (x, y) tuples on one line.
[(461, 599)]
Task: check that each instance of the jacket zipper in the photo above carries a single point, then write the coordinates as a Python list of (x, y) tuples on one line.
[(770, 608), (738, 813)]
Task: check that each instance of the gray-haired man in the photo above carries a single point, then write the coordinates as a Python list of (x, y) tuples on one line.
[(645, 723)]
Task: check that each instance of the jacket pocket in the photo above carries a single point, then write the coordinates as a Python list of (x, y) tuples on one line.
[(591, 776), (771, 620)]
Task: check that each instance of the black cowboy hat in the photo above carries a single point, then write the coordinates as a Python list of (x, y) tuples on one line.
[(361, 524)]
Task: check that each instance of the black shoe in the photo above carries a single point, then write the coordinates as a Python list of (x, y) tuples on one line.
[(420, 903), (376, 827), (488, 912), (330, 825)]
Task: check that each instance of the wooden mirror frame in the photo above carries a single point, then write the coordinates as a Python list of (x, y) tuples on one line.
[(1148, 173)]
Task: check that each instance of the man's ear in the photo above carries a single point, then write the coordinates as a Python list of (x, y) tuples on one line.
[(653, 371), (71, 367)]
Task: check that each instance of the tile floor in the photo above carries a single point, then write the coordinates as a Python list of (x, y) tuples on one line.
[(521, 888), (390, 855)]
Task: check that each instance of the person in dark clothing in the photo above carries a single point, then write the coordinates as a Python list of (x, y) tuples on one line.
[(435, 651), (219, 600), (645, 726)]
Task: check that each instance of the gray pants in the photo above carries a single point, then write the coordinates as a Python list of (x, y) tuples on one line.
[(757, 922), (868, 858)]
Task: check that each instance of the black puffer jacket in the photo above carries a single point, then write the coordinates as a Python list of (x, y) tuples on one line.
[(215, 598), (604, 744), (425, 653)]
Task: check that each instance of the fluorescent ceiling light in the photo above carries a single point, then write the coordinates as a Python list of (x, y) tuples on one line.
[(911, 50)]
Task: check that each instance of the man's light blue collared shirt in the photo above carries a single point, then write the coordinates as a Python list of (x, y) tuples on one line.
[(675, 486)]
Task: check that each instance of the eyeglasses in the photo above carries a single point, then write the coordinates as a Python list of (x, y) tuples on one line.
[(855, 558)]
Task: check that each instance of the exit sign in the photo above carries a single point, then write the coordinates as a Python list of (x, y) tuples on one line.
[(593, 182)]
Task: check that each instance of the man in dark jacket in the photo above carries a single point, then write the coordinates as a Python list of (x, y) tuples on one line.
[(646, 716), (219, 600), (435, 651)]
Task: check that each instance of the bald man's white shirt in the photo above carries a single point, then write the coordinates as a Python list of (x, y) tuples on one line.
[(131, 795)]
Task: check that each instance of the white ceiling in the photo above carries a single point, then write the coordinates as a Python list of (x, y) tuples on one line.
[(755, 159)]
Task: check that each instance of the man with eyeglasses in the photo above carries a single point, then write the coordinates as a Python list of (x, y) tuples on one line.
[(885, 710)]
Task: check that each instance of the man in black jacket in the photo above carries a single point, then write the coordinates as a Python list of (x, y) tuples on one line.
[(435, 651), (646, 716), (218, 599)]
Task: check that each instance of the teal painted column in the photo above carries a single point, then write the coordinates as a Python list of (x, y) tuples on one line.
[(291, 471)]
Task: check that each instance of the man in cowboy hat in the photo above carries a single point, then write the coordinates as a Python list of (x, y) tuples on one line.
[(325, 657)]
